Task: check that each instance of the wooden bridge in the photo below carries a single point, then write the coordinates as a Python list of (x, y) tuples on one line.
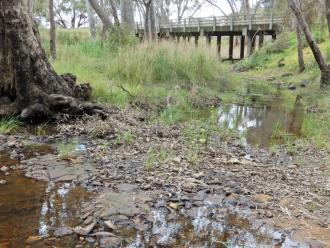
[(248, 27)]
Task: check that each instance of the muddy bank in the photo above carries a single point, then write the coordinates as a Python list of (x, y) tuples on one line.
[(148, 192)]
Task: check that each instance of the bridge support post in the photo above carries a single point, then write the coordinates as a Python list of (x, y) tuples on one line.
[(184, 37), (242, 52), (231, 46), (196, 40), (251, 42), (273, 37), (208, 39), (219, 45), (261, 40)]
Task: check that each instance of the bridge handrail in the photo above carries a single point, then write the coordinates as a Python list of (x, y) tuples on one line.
[(259, 18)]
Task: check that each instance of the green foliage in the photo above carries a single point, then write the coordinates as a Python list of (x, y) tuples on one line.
[(66, 149), (126, 138), (9, 125), (261, 58), (319, 34), (119, 37), (316, 127), (41, 129), (157, 157), (162, 63)]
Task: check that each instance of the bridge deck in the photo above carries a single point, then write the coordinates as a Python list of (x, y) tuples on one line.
[(224, 24)]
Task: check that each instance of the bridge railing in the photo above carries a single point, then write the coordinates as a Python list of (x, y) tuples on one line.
[(231, 21)]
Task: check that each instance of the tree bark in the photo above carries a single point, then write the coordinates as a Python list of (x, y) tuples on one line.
[(114, 12), (127, 13), (102, 14), (91, 20), (327, 5), (29, 86), (52, 30), (300, 46), (323, 66)]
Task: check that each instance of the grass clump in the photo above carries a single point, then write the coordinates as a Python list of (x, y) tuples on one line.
[(9, 125), (157, 157), (66, 149), (125, 138)]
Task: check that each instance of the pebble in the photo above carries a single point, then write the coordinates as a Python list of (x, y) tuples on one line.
[(4, 169), (3, 182)]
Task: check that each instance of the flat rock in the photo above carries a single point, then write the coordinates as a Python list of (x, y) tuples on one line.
[(63, 231), (128, 204), (126, 187), (84, 230), (110, 242), (262, 198)]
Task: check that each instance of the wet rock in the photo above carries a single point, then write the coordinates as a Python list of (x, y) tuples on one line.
[(121, 220), (198, 175), (160, 204), (173, 205), (288, 74), (128, 204), (281, 63), (63, 231), (292, 87), (109, 225), (110, 242), (4, 169), (84, 230), (200, 196), (292, 166), (32, 239), (90, 240), (278, 237), (3, 182)]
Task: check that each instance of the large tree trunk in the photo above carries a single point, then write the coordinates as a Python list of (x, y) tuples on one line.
[(327, 5), (324, 67), (52, 30), (127, 13), (29, 86)]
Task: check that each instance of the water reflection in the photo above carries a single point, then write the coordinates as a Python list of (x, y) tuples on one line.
[(29, 207), (257, 125)]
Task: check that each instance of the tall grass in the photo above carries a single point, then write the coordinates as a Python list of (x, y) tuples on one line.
[(9, 125)]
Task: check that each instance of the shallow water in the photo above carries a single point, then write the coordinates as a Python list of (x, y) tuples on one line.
[(257, 125), (34, 208)]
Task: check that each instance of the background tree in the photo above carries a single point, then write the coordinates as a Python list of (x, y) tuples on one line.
[(323, 66), (127, 13), (52, 30), (327, 4), (91, 20)]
